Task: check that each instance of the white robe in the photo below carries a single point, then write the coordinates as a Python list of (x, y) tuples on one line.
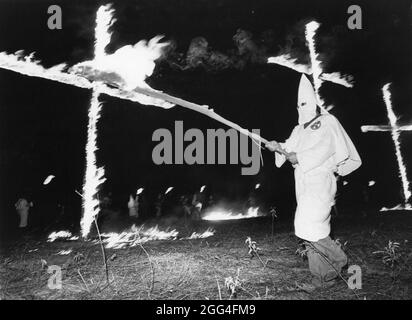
[(322, 149)]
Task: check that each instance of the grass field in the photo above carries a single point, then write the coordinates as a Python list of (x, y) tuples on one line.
[(197, 269)]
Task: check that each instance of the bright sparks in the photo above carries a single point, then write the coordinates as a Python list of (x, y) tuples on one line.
[(48, 179), (168, 190), (221, 214)]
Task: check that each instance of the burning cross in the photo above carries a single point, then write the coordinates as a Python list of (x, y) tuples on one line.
[(314, 68), (142, 57), (94, 176), (395, 130)]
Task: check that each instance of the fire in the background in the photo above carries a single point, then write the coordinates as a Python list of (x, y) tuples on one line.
[(395, 130), (310, 32), (395, 137), (315, 68), (94, 176), (136, 236), (219, 214), (287, 61)]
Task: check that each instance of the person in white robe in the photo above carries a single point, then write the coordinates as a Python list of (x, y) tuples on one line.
[(318, 149), (133, 206), (23, 207)]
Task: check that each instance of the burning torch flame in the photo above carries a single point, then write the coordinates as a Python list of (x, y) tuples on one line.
[(257, 186), (371, 183), (48, 179), (168, 190), (139, 191), (202, 188)]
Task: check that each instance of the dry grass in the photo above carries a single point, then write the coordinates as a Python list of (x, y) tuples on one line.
[(190, 269)]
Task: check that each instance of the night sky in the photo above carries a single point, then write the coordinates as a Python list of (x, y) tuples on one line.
[(43, 123)]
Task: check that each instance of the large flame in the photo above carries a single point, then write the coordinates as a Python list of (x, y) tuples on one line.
[(222, 214), (310, 32), (102, 34), (395, 137), (287, 61), (26, 65), (128, 67), (94, 175)]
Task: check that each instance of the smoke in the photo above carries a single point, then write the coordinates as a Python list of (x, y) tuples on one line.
[(200, 54), (249, 49)]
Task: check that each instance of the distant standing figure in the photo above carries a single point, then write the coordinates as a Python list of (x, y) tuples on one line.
[(133, 206), (23, 207), (158, 205)]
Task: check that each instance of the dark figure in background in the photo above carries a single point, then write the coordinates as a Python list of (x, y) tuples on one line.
[(159, 205), (252, 200), (184, 202), (197, 202), (210, 201)]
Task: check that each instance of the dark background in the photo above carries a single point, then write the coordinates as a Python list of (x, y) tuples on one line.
[(43, 123)]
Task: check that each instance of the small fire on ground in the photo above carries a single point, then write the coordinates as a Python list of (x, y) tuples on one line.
[(135, 236), (222, 214)]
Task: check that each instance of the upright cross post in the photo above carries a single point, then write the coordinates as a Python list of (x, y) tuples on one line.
[(310, 32), (94, 176), (395, 131)]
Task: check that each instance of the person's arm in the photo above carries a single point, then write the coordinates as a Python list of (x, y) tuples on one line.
[(280, 158), (318, 154)]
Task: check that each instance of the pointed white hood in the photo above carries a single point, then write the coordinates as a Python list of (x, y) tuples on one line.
[(306, 100)]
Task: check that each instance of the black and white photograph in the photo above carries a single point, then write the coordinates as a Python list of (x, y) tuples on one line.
[(205, 156)]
